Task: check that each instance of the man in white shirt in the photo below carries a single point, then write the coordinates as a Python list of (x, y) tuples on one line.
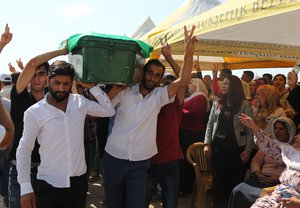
[(133, 138), (57, 121)]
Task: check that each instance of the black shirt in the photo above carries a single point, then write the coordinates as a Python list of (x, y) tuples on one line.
[(19, 104), (225, 129), (294, 100)]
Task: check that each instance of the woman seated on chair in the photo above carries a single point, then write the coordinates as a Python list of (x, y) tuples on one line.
[(265, 170), (287, 193)]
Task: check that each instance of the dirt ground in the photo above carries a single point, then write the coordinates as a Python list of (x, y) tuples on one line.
[(95, 198)]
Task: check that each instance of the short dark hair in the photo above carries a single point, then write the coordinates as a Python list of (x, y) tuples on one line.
[(169, 76), (46, 65), (61, 68), (250, 74), (227, 71), (155, 62), (270, 76)]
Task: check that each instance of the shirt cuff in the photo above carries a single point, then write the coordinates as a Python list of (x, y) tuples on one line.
[(97, 91), (26, 188)]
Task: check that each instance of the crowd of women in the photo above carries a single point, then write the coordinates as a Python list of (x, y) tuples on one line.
[(269, 117)]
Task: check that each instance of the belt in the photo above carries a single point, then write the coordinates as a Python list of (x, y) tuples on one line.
[(33, 164)]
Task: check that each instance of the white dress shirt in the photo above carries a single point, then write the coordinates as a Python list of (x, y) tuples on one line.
[(60, 135), (5, 91), (6, 104), (133, 135)]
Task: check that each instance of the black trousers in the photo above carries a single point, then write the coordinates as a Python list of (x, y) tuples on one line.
[(228, 171), (187, 172), (48, 196)]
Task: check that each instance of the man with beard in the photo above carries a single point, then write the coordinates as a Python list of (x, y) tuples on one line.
[(28, 90), (132, 141), (57, 122)]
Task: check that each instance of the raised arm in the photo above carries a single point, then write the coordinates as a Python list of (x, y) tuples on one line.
[(215, 86), (264, 142), (6, 123), (250, 123), (167, 53), (29, 71), (20, 63), (5, 37), (185, 74)]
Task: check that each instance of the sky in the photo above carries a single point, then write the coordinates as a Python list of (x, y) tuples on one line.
[(39, 26)]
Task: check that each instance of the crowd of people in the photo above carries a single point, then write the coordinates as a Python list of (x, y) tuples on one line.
[(60, 128)]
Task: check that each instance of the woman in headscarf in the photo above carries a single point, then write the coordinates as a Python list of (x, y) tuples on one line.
[(267, 107), (265, 169), (287, 193), (192, 128)]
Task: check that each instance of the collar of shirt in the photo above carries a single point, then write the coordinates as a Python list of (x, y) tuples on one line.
[(133, 135)]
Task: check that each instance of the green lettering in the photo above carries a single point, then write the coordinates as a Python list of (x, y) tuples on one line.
[(262, 4), (210, 22), (281, 2), (255, 6), (243, 10), (271, 4), (227, 13), (236, 12), (205, 23), (222, 15)]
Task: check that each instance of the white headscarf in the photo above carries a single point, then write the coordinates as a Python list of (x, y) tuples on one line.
[(289, 124), (290, 156), (200, 90)]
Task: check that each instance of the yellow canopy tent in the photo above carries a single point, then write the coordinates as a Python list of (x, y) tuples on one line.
[(244, 33)]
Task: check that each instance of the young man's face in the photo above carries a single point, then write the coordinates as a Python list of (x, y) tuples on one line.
[(60, 87), (39, 81), (207, 80), (245, 78), (152, 77)]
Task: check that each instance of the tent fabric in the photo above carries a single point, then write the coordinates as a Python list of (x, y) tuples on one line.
[(189, 9), (73, 41), (207, 63), (258, 29), (145, 27)]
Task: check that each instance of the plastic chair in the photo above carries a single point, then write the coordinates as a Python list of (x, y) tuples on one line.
[(202, 166)]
